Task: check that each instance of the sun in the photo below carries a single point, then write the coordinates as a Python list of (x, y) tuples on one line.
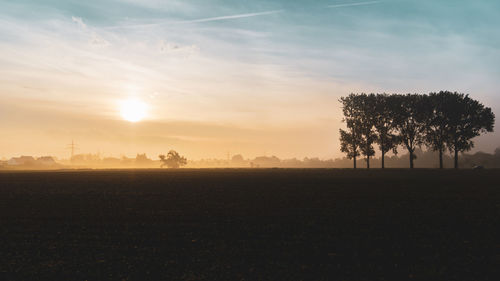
[(133, 110)]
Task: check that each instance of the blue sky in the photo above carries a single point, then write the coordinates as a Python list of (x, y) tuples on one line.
[(269, 70)]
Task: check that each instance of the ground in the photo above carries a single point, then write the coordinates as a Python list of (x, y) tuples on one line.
[(261, 224)]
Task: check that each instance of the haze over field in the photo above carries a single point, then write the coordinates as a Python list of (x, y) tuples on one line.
[(211, 77)]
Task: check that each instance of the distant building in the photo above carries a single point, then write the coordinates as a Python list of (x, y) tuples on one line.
[(111, 161), (23, 160), (31, 161), (46, 161)]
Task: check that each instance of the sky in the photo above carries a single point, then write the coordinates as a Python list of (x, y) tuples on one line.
[(218, 77)]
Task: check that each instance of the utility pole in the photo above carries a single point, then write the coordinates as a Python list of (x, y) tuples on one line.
[(73, 146)]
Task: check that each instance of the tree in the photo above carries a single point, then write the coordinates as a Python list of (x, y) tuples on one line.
[(368, 137), (383, 122), (350, 138), (349, 143), (237, 158), (172, 160), (143, 160), (437, 127), (365, 107), (468, 119), (410, 113)]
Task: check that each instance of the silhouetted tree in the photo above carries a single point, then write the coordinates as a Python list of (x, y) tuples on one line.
[(365, 106), (172, 160), (350, 139), (349, 143), (383, 121), (437, 127), (439, 120), (468, 118), (410, 121)]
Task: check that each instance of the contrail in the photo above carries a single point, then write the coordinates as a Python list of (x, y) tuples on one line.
[(234, 16), (353, 4), (239, 16)]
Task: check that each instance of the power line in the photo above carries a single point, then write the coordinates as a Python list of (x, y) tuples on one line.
[(73, 146)]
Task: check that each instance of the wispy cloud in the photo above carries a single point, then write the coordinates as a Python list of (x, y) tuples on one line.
[(79, 21), (234, 16), (182, 51), (95, 39), (353, 4), (229, 17)]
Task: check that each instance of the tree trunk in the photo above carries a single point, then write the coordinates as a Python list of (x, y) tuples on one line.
[(354, 161), (368, 162), (383, 159), (441, 158), (411, 159), (456, 158)]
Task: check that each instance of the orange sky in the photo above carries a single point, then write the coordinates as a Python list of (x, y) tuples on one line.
[(262, 78)]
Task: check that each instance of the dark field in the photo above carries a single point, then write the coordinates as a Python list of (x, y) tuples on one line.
[(250, 225)]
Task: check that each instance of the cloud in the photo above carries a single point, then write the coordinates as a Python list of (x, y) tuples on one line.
[(79, 21), (98, 41), (94, 39), (353, 4), (171, 48), (162, 23), (234, 16)]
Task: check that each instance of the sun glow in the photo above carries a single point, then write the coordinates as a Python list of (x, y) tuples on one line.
[(133, 110)]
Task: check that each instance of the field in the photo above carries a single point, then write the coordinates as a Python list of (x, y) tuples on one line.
[(262, 224)]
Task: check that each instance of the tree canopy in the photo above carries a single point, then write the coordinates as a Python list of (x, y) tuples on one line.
[(172, 160), (444, 120), (350, 139)]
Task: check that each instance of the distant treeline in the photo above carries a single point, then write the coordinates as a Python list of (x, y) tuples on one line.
[(440, 121), (426, 159)]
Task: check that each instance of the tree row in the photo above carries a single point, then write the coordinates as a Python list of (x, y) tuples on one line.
[(441, 121)]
